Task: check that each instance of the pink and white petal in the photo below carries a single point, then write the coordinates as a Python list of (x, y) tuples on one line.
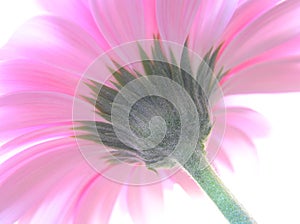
[(209, 23), (97, 200), (239, 144), (236, 145), (28, 75), (58, 204), (281, 52), (38, 135), (243, 125), (30, 175), (252, 123), (145, 202), (243, 122), (268, 77), (175, 18), (223, 158), (78, 12), (273, 28), (241, 2), (243, 16), (54, 41), (29, 109), (126, 20), (238, 135)]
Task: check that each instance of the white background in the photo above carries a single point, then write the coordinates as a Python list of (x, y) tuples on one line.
[(269, 189)]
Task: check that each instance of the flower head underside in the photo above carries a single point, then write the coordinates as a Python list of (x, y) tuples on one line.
[(156, 114)]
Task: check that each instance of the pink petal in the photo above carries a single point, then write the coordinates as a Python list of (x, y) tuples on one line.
[(59, 203), (249, 121), (32, 137), (210, 21), (30, 109), (53, 41), (175, 18), (243, 16), (236, 144), (281, 52), (243, 125), (223, 157), (145, 202), (26, 75), (126, 20), (78, 12), (241, 2), (275, 27), (96, 201), (268, 77), (27, 177)]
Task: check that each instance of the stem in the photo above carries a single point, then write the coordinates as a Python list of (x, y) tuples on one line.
[(199, 168)]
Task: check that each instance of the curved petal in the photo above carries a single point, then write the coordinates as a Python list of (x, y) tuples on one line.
[(269, 77), (175, 18), (145, 202), (53, 41), (243, 16), (28, 176), (223, 158), (273, 28), (59, 203), (249, 121), (126, 20), (280, 53), (40, 134), (210, 21), (96, 201), (76, 9), (29, 109), (27, 75), (243, 125), (241, 2), (236, 145)]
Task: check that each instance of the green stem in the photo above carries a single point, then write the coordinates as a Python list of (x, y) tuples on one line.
[(199, 168)]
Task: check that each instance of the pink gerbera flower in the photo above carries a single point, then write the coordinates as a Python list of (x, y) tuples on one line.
[(61, 72)]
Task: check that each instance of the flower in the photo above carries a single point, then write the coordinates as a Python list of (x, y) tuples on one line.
[(43, 173)]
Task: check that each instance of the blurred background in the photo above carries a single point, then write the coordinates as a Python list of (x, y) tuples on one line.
[(268, 188)]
